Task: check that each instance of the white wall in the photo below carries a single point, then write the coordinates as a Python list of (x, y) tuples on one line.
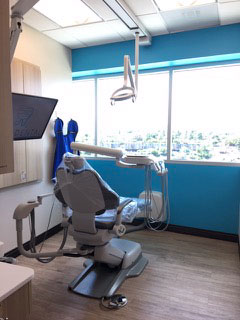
[(55, 62)]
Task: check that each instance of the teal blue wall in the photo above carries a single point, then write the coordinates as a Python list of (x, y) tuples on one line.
[(184, 45), (205, 197)]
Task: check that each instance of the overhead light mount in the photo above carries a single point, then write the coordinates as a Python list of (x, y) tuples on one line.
[(126, 15)]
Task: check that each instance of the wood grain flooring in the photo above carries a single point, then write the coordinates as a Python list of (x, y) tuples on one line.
[(187, 278)]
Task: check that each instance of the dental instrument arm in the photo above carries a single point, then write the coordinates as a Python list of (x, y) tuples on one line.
[(122, 160), (116, 153), (17, 13), (23, 211)]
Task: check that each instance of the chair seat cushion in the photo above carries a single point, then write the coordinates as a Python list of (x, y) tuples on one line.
[(108, 218)]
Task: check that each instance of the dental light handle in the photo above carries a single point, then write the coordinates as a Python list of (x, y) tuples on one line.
[(116, 153)]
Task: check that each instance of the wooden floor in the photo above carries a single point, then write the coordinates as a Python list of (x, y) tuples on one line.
[(187, 278)]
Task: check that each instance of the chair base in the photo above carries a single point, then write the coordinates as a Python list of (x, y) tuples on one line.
[(98, 280)]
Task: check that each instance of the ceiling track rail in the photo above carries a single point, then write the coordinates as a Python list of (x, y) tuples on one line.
[(126, 15)]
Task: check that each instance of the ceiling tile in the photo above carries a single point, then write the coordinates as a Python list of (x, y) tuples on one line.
[(101, 9), (229, 12), (120, 28), (60, 35), (191, 18), (94, 33), (141, 7), (67, 12), (166, 5), (38, 21), (154, 23)]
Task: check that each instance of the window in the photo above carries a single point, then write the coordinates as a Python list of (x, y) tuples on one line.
[(82, 109), (140, 127), (204, 118), (206, 114)]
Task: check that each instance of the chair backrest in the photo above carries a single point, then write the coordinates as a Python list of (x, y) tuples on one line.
[(81, 188)]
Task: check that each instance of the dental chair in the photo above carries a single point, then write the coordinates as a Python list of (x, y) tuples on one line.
[(111, 260)]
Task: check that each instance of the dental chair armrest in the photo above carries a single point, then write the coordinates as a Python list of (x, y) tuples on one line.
[(120, 208), (119, 229)]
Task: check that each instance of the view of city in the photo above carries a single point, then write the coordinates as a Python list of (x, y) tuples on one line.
[(189, 145), (205, 115)]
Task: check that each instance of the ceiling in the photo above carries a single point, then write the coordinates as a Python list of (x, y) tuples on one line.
[(107, 27)]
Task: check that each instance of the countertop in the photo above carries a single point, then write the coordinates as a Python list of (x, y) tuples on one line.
[(13, 277)]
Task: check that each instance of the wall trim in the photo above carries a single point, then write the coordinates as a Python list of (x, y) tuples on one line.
[(40, 238), (203, 233), (232, 57)]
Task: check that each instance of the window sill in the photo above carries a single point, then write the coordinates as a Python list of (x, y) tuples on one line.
[(204, 163), (200, 163)]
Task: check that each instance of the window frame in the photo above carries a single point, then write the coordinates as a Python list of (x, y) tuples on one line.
[(170, 71)]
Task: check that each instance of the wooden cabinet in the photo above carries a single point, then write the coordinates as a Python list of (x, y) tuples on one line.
[(6, 132), (25, 78), (18, 305), (32, 85)]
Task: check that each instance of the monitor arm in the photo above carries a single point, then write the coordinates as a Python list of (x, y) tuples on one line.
[(17, 13)]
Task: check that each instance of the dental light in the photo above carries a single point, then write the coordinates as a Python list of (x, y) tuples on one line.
[(142, 37), (127, 92)]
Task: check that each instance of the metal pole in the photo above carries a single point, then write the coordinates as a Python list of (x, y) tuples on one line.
[(136, 58)]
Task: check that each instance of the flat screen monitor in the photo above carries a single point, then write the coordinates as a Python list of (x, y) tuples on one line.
[(31, 115)]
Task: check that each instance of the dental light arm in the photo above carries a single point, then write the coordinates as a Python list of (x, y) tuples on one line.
[(17, 13)]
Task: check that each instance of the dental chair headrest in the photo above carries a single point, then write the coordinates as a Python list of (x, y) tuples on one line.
[(73, 162), (81, 188)]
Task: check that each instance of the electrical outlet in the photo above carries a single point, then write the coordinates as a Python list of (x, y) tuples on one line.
[(23, 176)]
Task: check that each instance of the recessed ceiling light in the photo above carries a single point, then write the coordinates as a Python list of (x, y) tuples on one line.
[(67, 12), (165, 5)]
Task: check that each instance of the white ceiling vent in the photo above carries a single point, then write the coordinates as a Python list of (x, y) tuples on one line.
[(191, 18), (191, 14)]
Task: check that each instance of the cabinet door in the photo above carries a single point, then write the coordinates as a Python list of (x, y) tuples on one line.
[(19, 174), (32, 85), (19, 147), (6, 130), (17, 76), (18, 305), (31, 79)]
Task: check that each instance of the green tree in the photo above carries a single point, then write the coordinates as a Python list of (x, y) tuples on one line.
[(192, 135), (204, 153), (233, 143), (155, 153), (200, 136)]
